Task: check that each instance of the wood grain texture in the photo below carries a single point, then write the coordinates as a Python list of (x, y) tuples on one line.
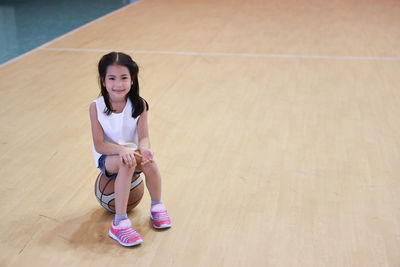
[(265, 161)]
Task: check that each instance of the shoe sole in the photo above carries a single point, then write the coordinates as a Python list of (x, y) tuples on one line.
[(138, 242), (163, 226)]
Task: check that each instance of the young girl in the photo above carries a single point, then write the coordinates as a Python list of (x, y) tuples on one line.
[(121, 142)]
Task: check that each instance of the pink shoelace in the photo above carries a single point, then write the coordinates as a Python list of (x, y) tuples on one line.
[(127, 234), (160, 216)]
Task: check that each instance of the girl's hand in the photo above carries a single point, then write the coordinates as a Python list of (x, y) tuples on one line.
[(127, 156), (147, 156)]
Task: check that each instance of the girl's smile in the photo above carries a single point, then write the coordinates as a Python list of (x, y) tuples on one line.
[(118, 91)]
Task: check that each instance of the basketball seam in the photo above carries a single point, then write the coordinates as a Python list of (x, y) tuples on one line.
[(101, 200), (108, 198)]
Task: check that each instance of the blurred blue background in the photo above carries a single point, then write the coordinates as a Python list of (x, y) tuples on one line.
[(27, 24)]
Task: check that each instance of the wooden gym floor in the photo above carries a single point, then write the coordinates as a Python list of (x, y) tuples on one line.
[(275, 125)]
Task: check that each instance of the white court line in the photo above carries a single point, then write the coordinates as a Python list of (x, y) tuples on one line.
[(66, 34), (210, 54)]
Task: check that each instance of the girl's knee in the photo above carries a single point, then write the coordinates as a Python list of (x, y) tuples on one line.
[(150, 168), (126, 167)]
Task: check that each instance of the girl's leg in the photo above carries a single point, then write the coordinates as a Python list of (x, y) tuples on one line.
[(122, 182), (153, 180), (121, 229), (158, 212)]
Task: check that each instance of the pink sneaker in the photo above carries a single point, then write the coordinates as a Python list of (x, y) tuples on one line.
[(159, 215), (125, 234)]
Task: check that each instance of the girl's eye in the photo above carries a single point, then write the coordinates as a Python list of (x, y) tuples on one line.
[(124, 78), (111, 78)]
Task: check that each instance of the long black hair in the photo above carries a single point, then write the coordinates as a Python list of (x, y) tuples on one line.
[(138, 103)]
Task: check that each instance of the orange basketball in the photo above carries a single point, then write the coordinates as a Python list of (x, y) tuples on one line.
[(104, 191)]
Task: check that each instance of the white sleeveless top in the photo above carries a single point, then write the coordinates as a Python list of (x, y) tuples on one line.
[(119, 128)]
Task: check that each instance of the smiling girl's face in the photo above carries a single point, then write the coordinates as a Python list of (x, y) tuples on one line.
[(117, 82)]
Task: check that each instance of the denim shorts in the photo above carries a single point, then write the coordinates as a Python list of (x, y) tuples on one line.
[(102, 167)]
